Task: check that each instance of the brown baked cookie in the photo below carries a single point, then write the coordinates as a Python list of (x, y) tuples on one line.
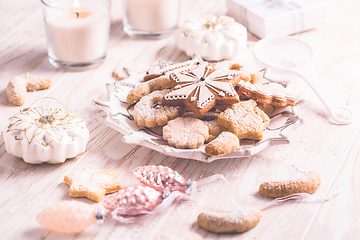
[(146, 88), (150, 112), (271, 93), (226, 142), (92, 183), (165, 69), (19, 85), (202, 88), (248, 73), (245, 119), (185, 132)]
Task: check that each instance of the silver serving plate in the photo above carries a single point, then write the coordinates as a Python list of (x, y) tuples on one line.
[(119, 117)]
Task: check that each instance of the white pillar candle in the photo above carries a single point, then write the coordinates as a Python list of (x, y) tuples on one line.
[(77, 35), (151, 15)]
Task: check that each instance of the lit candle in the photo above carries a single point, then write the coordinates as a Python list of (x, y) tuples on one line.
[(77, 32), (150, 17)]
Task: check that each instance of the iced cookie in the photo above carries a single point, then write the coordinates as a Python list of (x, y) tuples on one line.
[(150, 112), (92, 183), (245, 120), (41, 135), (226, 142), (165, 69), (185, 132), (271, 93), (202, 88), (213, 38), (248, 72), (19, 85)]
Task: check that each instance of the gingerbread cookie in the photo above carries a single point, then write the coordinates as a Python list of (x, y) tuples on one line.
[(150, 112), (185, 132), (245, 119), (248, 72), (19, 85), (271, 93), (226, 142), (202, 88), (92, 183), (164, 69)]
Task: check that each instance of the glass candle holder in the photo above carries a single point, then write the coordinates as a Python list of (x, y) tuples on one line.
[(150, 18), (77, 32)]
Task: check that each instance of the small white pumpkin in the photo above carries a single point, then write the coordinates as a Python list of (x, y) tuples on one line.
[(213, 38), (45, 135)]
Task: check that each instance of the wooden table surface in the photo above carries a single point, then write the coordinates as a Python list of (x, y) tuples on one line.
[(318, 145)]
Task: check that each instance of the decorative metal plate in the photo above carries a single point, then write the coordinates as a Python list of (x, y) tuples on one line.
[(119, 117)]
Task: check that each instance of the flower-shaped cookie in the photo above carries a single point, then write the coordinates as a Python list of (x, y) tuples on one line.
[(186, 132), (203, 87), (45, 135), (92, 183)]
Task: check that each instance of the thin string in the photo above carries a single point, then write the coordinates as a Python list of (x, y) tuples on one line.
[(48, 98), (299, 196), (116, 214)]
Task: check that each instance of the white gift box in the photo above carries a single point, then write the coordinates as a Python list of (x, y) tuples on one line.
[(270, 18)]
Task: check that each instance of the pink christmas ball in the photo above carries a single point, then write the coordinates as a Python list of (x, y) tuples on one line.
[(67, 217)]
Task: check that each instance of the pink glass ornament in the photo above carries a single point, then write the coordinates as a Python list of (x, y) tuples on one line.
[(67, 217), (160, 178), (133, 199)]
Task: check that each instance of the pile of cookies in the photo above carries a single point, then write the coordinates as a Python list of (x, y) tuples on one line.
[(198, 103)]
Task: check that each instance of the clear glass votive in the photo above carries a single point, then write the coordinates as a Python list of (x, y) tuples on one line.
[(150, 18), (77, 32)]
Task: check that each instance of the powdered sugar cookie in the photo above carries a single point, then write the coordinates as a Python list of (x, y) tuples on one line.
[(307, 184), (245, 119), (92, 183), (150, 112), (185, 132), (226, 142), (248, 72), (19, 85), (271, 93)]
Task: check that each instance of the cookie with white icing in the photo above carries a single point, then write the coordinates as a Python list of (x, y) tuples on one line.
[(271, 93), (202, 88), (214, 38), (41, 135)]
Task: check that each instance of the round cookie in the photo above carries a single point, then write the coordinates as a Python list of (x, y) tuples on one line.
[(150, 112), (185, 132), (247, 72)]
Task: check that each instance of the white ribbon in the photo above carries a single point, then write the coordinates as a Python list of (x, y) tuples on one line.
[(116, 214), (140, 215), (298, 196)]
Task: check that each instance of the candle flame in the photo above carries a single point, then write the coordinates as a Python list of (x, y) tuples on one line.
[(76, 4)]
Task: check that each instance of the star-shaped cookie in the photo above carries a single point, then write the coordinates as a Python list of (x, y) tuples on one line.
[(92, 183), (203, 87), (245, 120)]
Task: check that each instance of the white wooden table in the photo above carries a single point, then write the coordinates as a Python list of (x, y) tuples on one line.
[(317, 145)]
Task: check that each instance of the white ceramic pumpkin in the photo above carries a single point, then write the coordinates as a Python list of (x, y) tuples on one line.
[(41, 135), (213, 38)]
